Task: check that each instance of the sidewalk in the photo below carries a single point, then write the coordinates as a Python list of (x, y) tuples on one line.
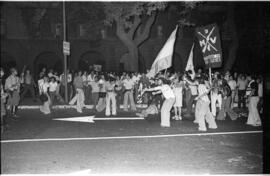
[(28, 103)]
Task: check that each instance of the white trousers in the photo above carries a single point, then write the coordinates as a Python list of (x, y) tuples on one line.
[(253, 114), (202, 113), (79, 98), (110, 97), (215, 98), (165, 112)]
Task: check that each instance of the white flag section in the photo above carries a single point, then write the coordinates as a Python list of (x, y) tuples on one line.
[(190, 65), (164, 57)]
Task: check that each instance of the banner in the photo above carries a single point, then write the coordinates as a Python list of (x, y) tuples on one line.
[(164, 57), (209, 40), (190, 65)]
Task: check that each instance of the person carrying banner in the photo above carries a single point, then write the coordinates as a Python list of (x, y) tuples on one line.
[(167, 105), (202, 110)]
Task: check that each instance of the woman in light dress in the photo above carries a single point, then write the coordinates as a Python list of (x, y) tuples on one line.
[(177, 87)]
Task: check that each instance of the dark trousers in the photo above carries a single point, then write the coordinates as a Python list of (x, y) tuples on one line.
[(26, 88), (241, 98)]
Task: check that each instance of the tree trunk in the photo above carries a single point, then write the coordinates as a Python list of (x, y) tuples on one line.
[(235, 39)]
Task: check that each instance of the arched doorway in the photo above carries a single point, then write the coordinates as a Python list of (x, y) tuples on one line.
[(90, 58), (49, 60), (7, 62)]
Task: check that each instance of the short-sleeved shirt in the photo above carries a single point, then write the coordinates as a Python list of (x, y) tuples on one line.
[(166, 91), (12, 83), (242, 84), (53, 86), (128, 84), (232, 84), (95, 86), (109, 86)]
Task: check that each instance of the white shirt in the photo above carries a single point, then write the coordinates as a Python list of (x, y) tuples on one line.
[(128, 84), (232, 84), (90, 78), (95, 86), (43, 87), (53, 86), (166, 91), (202, 89)]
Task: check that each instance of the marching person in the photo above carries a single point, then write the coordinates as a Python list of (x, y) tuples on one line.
[(202, 110), (177, 90), (110, 97), (28, 85), (95, 91), (128, 93), (241, 85), (167, 105), (79, 97), (12, 86), (232, 84), (193, 87), (226, 103), (44, 85), (215, 94), (253, 99)]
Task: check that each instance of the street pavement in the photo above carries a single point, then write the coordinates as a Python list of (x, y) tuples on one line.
[(88, 146)]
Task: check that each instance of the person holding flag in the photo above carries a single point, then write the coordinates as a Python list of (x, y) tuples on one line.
[(167, 105)]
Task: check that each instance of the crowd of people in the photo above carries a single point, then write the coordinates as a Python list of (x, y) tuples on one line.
[(179, 93)]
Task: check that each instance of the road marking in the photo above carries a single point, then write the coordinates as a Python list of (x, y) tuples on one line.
[(90, 119), (126, 137)]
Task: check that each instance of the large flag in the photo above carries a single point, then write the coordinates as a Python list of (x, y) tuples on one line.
[(190, 65), (209, 41), (164, 57)]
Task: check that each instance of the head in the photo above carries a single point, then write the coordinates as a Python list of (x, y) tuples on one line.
[(53, 79), (13, 71), (44, 69), (79, 73), (28, 72), (230, 77), (46, 79)]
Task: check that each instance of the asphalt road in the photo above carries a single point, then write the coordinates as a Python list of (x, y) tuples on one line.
[(215, 154)]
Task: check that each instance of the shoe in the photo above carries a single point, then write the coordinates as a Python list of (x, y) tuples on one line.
[(202, 129), (213, 127), (195, 121)]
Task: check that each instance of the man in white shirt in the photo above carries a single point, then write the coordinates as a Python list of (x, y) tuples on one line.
[(202, 112), (167, 105), (128, 93), (110, 97), (232, 84)]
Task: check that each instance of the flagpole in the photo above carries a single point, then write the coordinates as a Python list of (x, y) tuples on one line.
[(210, 76)]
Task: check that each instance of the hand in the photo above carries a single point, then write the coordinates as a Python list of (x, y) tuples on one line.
[(196, 98)]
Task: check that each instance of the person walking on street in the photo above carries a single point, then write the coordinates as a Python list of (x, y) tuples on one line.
[(12, 86)]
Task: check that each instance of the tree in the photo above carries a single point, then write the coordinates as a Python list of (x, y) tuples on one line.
[(133, 21), (133, 25)]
